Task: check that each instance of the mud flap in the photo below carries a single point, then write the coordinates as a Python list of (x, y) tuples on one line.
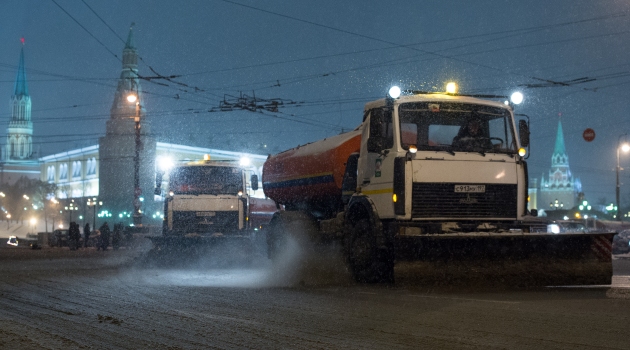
[(519, 260)]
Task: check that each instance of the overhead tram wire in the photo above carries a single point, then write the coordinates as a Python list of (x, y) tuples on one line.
[(197, 89), (313, 23), (385, 41), (86, 30), (286, 81)]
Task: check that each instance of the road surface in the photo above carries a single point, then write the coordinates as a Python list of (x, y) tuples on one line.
[(60, 299)]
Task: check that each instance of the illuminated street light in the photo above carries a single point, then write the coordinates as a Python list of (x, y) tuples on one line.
[(625, 148), (137, 213), (165, 162), (94, 203)]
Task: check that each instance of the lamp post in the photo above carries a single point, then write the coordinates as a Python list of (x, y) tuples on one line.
[(71, 208), (137, 212), (93, 203), (625, 148)]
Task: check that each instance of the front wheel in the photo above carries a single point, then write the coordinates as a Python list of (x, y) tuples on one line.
[(369, 260)]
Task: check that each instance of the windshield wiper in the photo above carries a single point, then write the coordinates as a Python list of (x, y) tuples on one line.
[(444, 148)]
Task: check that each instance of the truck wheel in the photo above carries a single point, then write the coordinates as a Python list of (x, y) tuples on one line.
[(369, 263), (276, 237)]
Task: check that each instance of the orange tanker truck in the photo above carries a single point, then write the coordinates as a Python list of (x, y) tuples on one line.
[(413, 183)]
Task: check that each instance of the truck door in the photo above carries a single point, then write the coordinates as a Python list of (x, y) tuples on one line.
[(376, 166)]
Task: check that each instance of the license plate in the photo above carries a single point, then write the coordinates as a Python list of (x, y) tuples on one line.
[(470, 188), (206, 213)]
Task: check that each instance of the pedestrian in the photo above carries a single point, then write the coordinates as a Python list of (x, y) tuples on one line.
[(105, 233), (86, 235), (117, 236)]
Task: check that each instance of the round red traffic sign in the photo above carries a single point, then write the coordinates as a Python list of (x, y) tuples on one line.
[(589, 135)]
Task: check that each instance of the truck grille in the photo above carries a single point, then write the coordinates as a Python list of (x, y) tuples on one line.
[(189, 222), (430, 200)]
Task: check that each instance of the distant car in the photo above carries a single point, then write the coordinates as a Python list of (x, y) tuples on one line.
[(12, 241), (621, 242), (60, 238)]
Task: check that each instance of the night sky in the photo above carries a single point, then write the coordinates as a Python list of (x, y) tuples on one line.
[(324, 60)]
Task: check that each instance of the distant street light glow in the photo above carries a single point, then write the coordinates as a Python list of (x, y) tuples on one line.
[(132, 98), (165, 162)]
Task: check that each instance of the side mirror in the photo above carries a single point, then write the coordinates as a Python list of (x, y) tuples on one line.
[(254, 182), (158, 183), (534, 212), (523, 132)]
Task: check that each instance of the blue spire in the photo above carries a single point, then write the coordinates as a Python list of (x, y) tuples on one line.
[(130, 44), (21, 89), (559, 149)]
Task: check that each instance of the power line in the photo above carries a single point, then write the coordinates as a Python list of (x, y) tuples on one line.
[(86, 30)]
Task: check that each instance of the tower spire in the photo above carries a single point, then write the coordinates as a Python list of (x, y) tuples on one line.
[(128, 81), (21, 88), (559, 148), (20, 130)]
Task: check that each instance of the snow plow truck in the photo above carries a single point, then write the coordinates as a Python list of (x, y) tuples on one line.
[(211, 201), (405, 188)]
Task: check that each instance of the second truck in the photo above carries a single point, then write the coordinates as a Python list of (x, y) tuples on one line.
[(210, 201), (405, 186)]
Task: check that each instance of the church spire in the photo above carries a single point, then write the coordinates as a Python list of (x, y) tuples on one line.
[(560, 148), (560, 156), (20, 130), (21, 88)]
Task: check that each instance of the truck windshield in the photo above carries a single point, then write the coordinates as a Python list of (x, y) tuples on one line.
[(206, 180), (456, 127)]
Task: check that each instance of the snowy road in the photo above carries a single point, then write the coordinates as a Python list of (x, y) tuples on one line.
[(60, 299)]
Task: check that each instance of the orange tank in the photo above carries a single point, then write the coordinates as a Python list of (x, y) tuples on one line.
[(312, 173)]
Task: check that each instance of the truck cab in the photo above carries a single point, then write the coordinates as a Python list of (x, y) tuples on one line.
[(441, 163), (209, 199)]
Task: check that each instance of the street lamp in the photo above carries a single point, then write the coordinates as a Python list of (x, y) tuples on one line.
[(71, 208), (33, 222), (93, 203), (137, 212), (625, 148)]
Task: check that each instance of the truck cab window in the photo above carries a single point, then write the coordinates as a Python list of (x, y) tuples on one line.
[(449, 127), (381, 132)]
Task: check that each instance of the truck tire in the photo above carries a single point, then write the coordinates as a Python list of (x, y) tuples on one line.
[(276, 237), (370, 262)]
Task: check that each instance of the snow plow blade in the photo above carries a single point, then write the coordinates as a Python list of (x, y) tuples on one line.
[(176, 242), (515, 259)]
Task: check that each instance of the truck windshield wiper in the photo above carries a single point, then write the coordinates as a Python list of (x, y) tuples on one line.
[(444, 148)]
